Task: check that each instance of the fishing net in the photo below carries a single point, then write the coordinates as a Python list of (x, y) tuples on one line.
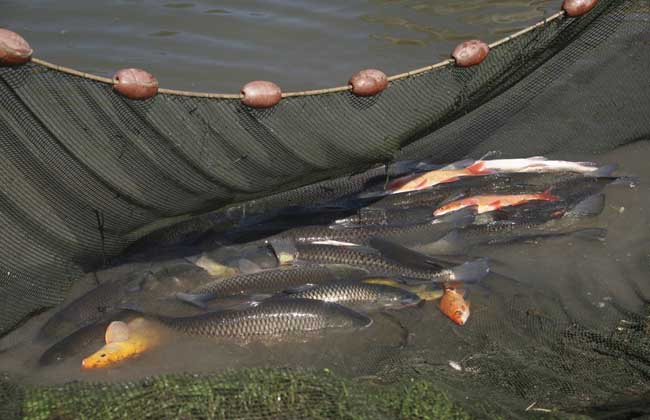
[(84, 173)]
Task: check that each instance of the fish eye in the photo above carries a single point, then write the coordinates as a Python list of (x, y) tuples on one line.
[(102, 355)]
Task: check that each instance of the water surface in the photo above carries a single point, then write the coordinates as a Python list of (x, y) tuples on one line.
[(219, 46)]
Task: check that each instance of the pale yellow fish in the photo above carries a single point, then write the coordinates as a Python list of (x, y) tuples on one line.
[(124, 341)]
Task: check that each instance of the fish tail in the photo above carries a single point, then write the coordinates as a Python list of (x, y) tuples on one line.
[(591, 234), (603, 171), (197, 300), (589, 207), (472, 271)]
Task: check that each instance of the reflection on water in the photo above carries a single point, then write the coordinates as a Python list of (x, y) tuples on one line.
[(219, 46)]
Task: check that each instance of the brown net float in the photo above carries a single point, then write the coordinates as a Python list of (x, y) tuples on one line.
[(261, 94), (368, 82), (13, 48), (135, 83), (578, 7), (470, 53)]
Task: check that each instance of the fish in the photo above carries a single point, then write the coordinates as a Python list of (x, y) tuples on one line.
[(375, 264), (308, 199), (432, 229), (358, 295), (472, 168), (261, 282), (454, 305), (95, 305), (424, 291), (525, 222), (80, 340), (124, 341), (485, 203), (271, 318), (213, 267)]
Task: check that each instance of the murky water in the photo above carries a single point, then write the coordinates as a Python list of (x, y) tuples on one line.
[(299, 44), (560, 280)]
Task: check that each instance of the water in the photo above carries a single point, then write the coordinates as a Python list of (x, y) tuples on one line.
[(559, 281), (218, 46)]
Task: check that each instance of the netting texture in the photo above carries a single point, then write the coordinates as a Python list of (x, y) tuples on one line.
[(82, 168)]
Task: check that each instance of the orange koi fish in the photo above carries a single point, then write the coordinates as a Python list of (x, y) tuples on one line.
[(485, 203), (454, 305), (123, 341)]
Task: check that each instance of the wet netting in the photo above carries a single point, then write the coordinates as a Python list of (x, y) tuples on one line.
[(86, 173)]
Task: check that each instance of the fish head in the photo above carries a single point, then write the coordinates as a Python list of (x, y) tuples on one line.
[(454, 306), (451, 207), (108, 355)]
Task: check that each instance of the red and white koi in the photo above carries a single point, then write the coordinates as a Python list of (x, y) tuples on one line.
[(458, 170), (485, 203)]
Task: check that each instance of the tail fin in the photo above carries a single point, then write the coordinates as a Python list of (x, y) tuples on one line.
[(603, 171), (472, 271), (406, 256), (591, 234), (197, 300), (589, 207)]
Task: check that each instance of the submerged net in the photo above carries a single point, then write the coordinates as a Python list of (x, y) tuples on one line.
[(85, 173)]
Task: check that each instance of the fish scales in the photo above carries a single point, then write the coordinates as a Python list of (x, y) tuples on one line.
[(266, 281), (374, 263), (271, 318), (360, 294)]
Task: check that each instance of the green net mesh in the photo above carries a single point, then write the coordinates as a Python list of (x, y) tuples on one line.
[(84, 173)]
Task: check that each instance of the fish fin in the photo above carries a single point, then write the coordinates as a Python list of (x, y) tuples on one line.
[(248, 266), (472, 271), (334, 243), (461, 164), (403, 255), (458, 218), (548, 195), (284, 249), (603, 171), (478, 168), (408, 166), (193, 299), (590, 206), (630, 180), (537, 158), (251, 302), (299, 289), (450, 243), (257, 298), (591, 234), (136, 285), (489, 154)]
